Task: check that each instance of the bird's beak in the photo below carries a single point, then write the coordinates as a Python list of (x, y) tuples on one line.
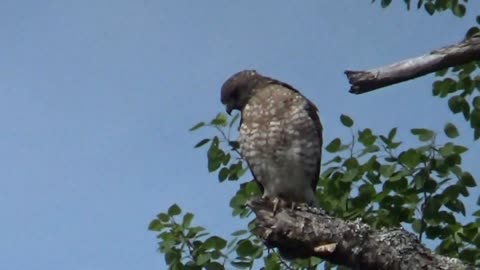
[(228, 109)]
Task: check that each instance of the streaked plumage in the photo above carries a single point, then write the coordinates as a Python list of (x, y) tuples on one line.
[(280, 135)]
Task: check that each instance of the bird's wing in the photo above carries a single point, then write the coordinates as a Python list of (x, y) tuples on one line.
[(313, 113)]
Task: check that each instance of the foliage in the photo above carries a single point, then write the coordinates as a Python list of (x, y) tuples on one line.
[(432, 6), (460, 84), (190, 247), (370, 176)]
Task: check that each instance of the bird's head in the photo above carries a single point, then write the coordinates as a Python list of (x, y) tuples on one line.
[(239, 88)]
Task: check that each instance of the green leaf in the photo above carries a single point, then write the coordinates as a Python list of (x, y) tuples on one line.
[(245, 248), (336, 159), (419, 180), (172, 256), (366, 137), (451, 193), (174, 210), (163, 217), (441, 73), (239, 200), (197, 126), (419, 4), (239, 232), (350, 175), (475, 118), (271, 262), (447, 150), (202, 258), (387, 170), (470, 255), (385, 3), (430, 8), (223, 174), (423, 134), (350, 163), (215, 242), (476, 102), (214, 266), (417, 225), (346, 120), (366, 190), (197, 229), (155, 225), (334, 145), (466, 110), (236, 170), (451, 130), (458, 149), (215, 155), (201, 143), (392, 134), (455, 104), (456, 206), (226, 159), (253, 188), (410, 158), (187, 220), (370, 149), (468, 180), (459, 10), (220, 120)]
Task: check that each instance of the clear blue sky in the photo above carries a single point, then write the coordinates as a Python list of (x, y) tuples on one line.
[(97, 98)]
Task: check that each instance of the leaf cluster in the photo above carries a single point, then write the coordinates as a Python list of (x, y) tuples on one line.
[(189, 247), (424, 187), (432, 6)]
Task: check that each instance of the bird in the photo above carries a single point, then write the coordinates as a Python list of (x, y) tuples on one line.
[(280, 135)]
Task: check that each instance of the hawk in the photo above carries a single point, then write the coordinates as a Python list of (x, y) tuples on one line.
[(280, 135)]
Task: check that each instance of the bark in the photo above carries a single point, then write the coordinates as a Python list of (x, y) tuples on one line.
[(454, 55), (306, 231)]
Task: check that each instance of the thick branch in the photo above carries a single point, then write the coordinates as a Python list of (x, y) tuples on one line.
[(305, 232), (454, 55)]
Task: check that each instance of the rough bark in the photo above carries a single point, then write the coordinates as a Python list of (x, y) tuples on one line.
[(454, 55), (305, 231)]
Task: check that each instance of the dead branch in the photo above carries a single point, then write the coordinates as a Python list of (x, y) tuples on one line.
[(305, 231), (454, 55)]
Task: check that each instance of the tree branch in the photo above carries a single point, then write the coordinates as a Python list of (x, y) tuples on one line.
[(454, 55), (305, 231)]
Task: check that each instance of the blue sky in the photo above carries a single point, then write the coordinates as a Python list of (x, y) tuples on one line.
[(97, 98)]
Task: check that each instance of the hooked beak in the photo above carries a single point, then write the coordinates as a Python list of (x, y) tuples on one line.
[(228, 109)]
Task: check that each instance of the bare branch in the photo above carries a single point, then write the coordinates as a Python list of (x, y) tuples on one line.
[(305, 231), (454, 55)]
